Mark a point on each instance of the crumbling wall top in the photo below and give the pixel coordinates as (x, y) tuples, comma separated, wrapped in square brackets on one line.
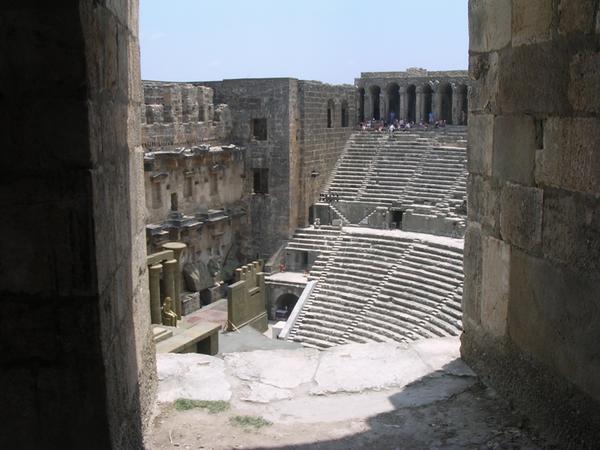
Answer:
[(416, 72)]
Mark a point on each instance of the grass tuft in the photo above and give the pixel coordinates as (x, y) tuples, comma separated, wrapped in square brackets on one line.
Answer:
[(213, 407), (250, 421)]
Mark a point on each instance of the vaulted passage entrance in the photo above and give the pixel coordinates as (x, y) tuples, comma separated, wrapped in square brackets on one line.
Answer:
[(393, 101), (445, 97), (285, 304), (375, 92), (361, 105)]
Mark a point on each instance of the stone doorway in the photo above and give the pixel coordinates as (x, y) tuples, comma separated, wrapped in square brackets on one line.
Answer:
[(397, 219), (375, 102), (285, 305)]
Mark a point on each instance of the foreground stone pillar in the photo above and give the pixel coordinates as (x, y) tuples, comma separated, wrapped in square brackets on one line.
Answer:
[(83, 378), (531, 255), (155, 311), (170, 268), (178, 248)]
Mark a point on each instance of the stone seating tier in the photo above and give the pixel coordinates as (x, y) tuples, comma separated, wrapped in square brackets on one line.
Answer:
[(411, 305), (406, 169), (377, 288)]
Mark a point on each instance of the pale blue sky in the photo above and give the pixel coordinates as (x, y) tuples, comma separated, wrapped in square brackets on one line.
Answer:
[(326, 40)]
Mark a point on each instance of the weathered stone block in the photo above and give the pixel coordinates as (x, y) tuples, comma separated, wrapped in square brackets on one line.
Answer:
[(472, 267), (495, 285), (483, 93), (521, 216), (584, 94), (571, 159), (571, 232), (480, 144), (483, 203), (528, 74), (24, 401), (514, 148), (531, 21), (489, 24), (576, 16), (553, 314)]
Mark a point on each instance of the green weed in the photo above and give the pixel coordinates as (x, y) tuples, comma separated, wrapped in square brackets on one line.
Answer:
[(213, 407)]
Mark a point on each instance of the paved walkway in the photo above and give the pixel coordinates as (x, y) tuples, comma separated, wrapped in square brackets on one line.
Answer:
[(248, 339), (215, 312), (378, 396)]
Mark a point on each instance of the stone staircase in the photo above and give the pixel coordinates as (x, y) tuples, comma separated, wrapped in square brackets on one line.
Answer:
[(313, 239), (339, 214), (380, 286), (406, 170)]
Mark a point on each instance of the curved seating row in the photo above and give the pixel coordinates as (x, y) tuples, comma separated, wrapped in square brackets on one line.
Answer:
[(380, 287), (407, 170)]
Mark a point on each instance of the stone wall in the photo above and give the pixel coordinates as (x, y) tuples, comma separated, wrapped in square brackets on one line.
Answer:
[(269, 99), (413, 73), (282, 124), (182, 114), (77, 355), (532, 253), (320, 145), (195, 187), (299, 152)]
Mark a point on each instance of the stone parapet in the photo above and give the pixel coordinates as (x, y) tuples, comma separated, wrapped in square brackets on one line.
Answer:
[(417, 73), (246, 298)]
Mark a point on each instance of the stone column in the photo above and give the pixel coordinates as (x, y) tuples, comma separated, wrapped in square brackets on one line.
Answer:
[(420, 104), (177, 248), (170, 267), (436, 103), (154, 274), (403, 113), (384, 105), (368, 105), (457, 104)]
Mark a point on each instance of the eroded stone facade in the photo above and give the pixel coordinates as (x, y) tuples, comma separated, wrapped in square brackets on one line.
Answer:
[(231, 203), (293, 133), (195, 189), (179, 114)]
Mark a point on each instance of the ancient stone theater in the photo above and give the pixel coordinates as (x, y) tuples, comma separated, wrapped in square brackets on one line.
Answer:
[(334, 260)]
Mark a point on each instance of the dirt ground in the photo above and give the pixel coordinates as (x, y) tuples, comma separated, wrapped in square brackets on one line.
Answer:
[(473, 419), (360, 396)]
